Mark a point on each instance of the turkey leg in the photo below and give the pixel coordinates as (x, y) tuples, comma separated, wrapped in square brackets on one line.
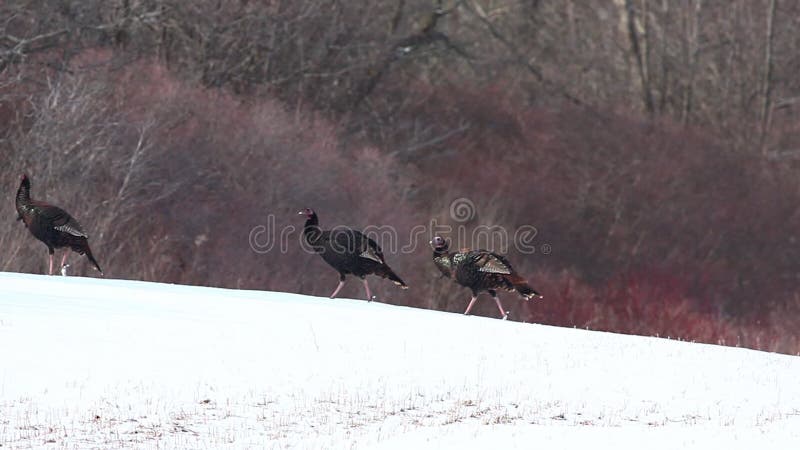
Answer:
[(339, 287), (503, 312), (64, 263), (366, 287), (471, 302)]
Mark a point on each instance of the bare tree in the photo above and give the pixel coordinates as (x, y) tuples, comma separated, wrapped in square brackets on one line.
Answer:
[(766, 78)]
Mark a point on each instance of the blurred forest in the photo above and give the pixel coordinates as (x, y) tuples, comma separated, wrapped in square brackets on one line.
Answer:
[(654, 145)]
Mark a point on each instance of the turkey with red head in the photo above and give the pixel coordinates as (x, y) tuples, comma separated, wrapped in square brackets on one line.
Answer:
[(480, 270), (52, 225), (348, 251)]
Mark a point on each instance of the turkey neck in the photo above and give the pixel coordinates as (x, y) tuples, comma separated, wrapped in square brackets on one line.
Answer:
[(443, 258), (24, 197), (311, 230)]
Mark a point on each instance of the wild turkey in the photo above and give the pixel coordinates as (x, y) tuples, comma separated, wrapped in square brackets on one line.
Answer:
[(52, 225), (480, 270), (348, 251)]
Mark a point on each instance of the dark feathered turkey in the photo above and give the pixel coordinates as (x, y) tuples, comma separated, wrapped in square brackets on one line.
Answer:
[(348, 251), (52, 225), (480, 270)]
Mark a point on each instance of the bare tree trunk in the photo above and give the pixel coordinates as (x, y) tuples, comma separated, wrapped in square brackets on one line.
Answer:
[(766, 79), (638, 54), (692, 50), (663, 86), (398, 16), (573, 35), (646, 44)]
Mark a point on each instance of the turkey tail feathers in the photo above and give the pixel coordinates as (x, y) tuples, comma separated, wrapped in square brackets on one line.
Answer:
[(522, 286), (91, 259), (388, 273)]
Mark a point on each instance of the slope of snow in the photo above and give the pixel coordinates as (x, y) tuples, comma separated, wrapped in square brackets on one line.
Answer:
[(90, 363)]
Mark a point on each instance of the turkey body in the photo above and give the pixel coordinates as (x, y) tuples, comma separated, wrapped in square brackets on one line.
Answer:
[(480, 271), (52, 226), (349, 252)]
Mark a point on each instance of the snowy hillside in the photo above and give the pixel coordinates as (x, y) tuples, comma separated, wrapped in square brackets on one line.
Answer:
[(91, 363)]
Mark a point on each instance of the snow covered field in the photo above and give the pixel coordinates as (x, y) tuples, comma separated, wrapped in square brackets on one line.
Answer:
[(91, 363)]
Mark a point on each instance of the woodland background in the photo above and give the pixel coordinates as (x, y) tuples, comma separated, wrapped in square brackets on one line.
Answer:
[(654, 144)]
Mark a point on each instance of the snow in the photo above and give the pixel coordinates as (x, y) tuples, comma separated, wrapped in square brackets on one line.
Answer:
[(93, 363)]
